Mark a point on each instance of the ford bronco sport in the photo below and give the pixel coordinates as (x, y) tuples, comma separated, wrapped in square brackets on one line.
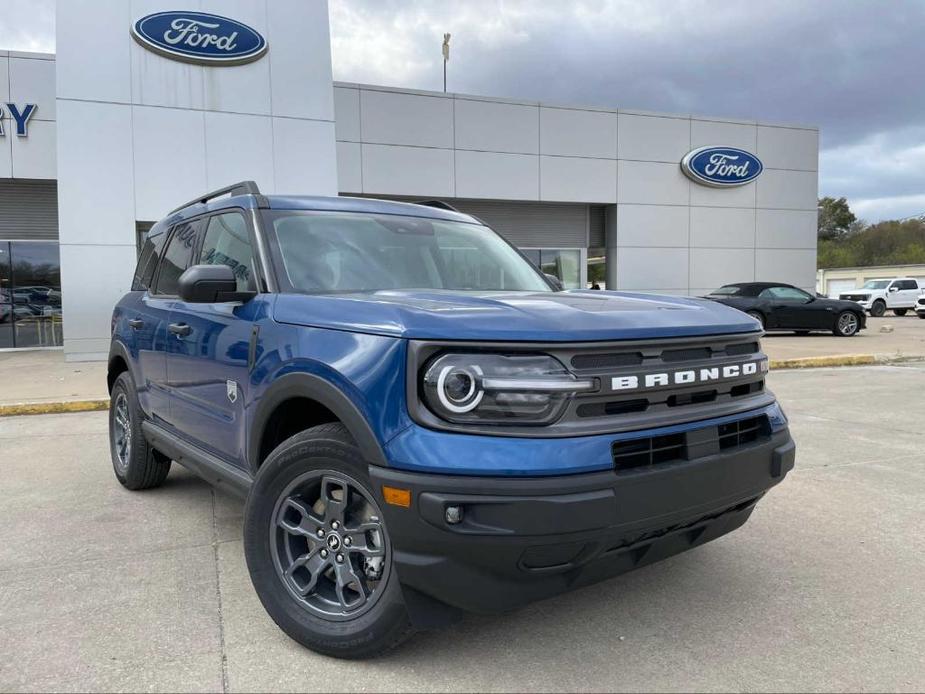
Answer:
[(421, 421)]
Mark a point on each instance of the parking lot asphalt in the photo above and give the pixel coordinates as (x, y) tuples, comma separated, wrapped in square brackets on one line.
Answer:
[(105, 589)]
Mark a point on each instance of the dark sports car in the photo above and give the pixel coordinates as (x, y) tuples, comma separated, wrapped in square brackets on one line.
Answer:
[(785, 307)]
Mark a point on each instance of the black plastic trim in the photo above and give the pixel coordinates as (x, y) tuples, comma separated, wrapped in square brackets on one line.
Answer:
[(303, 385), (212, 469)]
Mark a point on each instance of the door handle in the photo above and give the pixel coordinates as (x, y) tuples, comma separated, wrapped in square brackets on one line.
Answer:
[(136, 324), (180, 329)]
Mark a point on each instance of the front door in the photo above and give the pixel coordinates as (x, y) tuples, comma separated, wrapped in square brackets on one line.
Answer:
[(207, 360), (790, 308)]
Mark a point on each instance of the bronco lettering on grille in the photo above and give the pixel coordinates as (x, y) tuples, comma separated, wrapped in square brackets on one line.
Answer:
[(688, 376)]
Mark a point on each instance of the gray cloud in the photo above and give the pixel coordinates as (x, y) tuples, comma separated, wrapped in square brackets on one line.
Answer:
[(852, 67)]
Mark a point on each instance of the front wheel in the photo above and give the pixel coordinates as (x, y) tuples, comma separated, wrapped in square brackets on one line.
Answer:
[(878, 308), (899, 311), (847, 324), (318, 551)]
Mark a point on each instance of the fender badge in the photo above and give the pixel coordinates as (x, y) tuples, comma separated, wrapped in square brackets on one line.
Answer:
[(231, 388)]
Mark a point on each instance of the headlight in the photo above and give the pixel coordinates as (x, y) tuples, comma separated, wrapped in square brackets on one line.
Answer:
[(498, 389)]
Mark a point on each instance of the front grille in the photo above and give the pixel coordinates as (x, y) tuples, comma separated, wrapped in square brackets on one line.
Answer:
[(922, 302), (636, 406), (647, 452), (853, 297)]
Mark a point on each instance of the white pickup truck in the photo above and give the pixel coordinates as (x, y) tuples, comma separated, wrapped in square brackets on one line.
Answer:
[(876, 296)]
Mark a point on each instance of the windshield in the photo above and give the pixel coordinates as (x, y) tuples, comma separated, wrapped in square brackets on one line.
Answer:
[(322, 252), (728, 290), (875, 284)]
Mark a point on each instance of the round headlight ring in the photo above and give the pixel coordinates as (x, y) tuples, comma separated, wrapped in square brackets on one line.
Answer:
[(473, 396)]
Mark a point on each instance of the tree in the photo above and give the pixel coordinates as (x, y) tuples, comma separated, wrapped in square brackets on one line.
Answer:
[(835, 218)]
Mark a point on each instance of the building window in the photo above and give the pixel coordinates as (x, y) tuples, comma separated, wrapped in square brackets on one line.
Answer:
[(562, 263), (30, 294)]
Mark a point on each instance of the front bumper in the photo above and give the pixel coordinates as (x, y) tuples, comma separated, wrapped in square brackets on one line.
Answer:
[(524, 539)]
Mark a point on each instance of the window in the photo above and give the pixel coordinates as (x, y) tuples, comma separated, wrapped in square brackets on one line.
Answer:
[(907, 284), (349, 252), (147, 262), (564, 264), (875, 284), (176, 257), (728, 290), (784, 294), (227, 242), (30, 294)]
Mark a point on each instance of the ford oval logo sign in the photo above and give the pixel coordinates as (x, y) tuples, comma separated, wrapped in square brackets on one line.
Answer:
[(198, 37), (721, 166)]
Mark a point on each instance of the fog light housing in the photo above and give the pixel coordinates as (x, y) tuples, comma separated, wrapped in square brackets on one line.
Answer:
[(454, 515)]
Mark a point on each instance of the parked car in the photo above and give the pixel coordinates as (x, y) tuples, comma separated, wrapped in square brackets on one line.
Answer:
[(421, 422), (876, 296), (780, 306)]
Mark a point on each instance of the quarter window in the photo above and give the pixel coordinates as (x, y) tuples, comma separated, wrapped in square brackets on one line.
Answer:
[(227, 242), (150, 254)]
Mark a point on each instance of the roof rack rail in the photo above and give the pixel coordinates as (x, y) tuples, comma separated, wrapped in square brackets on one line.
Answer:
[(439, 204), (240, 188)]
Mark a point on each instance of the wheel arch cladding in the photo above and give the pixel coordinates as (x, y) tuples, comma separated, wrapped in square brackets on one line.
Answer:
[(118, 363), (305, 386)]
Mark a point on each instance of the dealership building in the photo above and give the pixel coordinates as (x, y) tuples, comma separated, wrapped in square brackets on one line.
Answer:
[(107, 136)]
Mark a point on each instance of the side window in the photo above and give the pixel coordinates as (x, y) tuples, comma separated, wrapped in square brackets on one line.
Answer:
[(909, 284), (227, 242), (147, 262), (784, 294), (176, 257)]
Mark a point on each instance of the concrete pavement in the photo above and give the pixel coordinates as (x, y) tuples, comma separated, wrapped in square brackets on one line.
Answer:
[(105, 589)]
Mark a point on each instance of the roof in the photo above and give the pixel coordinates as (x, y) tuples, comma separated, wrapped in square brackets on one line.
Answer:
[(321, 204), (759, 284)]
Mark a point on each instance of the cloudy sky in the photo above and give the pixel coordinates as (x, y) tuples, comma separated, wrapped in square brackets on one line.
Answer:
[(852, 67)]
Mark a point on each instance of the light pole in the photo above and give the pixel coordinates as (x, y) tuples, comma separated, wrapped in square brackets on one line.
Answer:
[(446, 57)]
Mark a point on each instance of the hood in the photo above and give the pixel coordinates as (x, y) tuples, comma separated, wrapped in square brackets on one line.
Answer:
[(514, 316)]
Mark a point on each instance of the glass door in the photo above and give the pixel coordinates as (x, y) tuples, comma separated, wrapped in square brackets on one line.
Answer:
[(30, 295)]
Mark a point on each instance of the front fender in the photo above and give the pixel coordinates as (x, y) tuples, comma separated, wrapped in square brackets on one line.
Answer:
[(322, 391)]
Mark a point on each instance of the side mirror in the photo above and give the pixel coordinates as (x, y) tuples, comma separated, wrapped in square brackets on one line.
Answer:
[(555, 282), (893, 288), (210, 284)]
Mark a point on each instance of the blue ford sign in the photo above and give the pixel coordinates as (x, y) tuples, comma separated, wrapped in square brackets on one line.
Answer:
[(721, 166), (198, 37)]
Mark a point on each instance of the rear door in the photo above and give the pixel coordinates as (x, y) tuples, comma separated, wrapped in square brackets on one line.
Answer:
[(160, 303), (907, 294), (207, 362), (146, 338)]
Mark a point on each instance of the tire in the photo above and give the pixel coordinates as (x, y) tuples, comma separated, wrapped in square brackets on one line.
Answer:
[(758, 316), (921, 315), (899, 311), (847, 324), (878, 308), (294, 497), (136, 464)]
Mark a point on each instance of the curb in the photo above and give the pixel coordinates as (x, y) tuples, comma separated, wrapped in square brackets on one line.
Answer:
[(53, 407), (835, 360)]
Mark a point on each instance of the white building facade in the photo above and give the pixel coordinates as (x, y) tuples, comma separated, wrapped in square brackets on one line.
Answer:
[(120, 134)]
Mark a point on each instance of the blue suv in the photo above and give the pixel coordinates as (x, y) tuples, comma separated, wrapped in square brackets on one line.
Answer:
[(422, 422)]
